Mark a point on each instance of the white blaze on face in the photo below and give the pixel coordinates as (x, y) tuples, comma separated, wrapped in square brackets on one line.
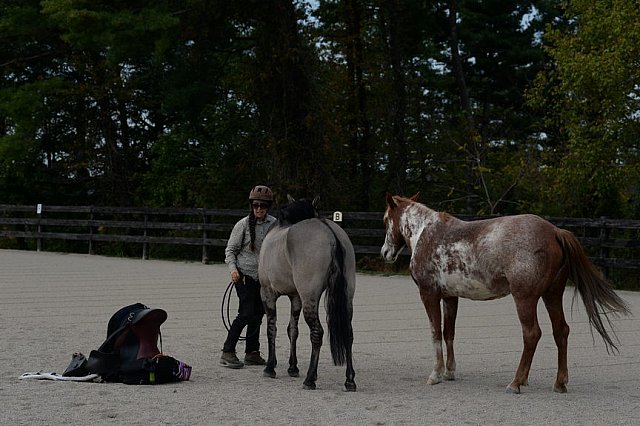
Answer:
[(388, 251)]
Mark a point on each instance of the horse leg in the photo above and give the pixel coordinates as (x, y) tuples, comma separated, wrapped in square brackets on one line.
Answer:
[(317, 332), (431, 304), (450, 310), (269, 299), (531, 333), (350, 384), (553, 302), (292, 332)]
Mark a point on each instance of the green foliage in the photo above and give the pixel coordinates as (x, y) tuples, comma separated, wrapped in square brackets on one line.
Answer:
[(593, 100), (126, 31), (192, 102)]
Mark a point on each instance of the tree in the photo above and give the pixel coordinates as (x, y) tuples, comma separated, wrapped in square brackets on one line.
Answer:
[(493, 56), (192, 102), (292, 148), (85, 75), (593, 98)]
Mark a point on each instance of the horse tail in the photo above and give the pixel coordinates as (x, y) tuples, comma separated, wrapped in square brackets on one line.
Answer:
[(337, 307), (598, 296)]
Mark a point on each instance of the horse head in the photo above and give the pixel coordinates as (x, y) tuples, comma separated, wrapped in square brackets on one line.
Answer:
[(394, 240), (297, 211)]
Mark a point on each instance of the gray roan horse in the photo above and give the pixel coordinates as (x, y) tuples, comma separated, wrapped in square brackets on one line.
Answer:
[(302, 257), (522, 255)]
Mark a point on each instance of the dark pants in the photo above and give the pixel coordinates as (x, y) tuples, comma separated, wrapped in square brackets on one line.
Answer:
[(250, 313)]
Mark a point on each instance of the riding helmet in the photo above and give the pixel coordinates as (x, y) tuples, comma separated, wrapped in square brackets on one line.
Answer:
[(261, 193)]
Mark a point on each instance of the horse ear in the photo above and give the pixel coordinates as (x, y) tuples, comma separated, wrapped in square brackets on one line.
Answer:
[(316, 202), (390, 201), (290, 198), (415, 196)]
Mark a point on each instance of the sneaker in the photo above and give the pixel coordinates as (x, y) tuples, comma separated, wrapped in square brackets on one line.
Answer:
[(254, 358), (230, 360)]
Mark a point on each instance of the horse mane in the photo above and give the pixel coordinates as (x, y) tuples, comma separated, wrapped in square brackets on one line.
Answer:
[(296, 211), (442, 215)]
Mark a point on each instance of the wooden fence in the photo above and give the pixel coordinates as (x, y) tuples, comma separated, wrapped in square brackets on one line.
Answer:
[(611, 243)]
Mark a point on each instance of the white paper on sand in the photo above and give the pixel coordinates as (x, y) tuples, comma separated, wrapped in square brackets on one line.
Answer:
[(50, 375)]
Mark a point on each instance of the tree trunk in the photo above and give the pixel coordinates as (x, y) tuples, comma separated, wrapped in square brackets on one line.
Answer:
[(359, 126), (398, 151), (471, 139)]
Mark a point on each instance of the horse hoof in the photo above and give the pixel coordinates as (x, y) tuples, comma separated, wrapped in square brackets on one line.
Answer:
[(449, 375), (269, 373), (434, 379), (560, 388), (293, 372), (309, 386), (349, 387), (512, 390)]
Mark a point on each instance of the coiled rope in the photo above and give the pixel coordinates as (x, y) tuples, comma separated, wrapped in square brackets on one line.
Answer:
[(226, 307)]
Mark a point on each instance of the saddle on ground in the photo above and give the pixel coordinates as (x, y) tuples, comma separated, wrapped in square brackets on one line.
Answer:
[(130, 353)]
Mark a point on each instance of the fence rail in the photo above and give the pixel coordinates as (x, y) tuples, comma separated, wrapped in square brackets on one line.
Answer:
[(611, 243)]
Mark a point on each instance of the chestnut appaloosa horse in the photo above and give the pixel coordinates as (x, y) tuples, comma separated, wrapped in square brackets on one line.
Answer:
[(522, 255)]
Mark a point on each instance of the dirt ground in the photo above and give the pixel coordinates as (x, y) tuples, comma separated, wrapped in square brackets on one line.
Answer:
[(55, 304)]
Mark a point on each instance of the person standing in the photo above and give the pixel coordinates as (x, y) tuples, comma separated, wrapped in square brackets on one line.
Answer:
[(241, 256)]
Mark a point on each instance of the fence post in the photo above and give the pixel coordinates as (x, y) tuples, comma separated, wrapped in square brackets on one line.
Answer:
[(91, 249), (39, 240), (604, 251), (145, 244), (205, 249)]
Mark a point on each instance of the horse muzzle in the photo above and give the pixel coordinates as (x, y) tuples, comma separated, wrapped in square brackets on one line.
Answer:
[(389, 254)]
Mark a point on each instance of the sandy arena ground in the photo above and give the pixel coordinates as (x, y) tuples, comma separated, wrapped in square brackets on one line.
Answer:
[(55, 304)]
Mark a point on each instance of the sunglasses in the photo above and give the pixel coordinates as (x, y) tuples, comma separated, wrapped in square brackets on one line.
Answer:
[(260, 205)]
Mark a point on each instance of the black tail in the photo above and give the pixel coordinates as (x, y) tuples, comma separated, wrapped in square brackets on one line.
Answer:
[(338, 312)]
